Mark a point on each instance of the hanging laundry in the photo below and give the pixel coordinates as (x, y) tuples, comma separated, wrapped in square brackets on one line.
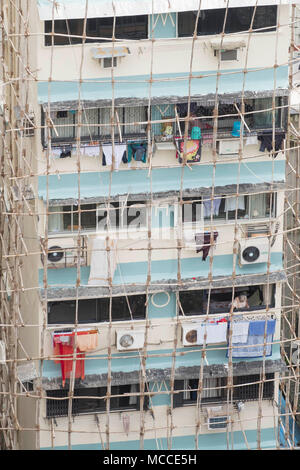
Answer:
[(216, 333), (91, 150), (66, 152), (103, 261), (256, 345), (204, 241), (64, 348), (266, 139), (137, 151), (119, 150), (191, 149), (86, 340), (240, 330), (251, 140), (233, 203), (211, 207)]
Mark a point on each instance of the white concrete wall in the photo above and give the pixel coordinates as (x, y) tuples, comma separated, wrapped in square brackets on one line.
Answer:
[(184, 424), (169, 56)]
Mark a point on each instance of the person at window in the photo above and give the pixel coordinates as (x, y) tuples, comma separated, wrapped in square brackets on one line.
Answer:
[(239, 302)]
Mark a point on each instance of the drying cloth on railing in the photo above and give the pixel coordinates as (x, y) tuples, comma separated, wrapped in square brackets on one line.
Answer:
[(216, 332), (266, 139), (240, 331), (103, 261), (91, 150), (86, 340), (191, 149), (64, 348), (256, 347), (204, 241), (258, 327), (119, 151), (211, 207), (137, 151)]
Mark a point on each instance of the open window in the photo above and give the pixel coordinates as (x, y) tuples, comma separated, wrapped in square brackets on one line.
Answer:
[(93, 400), (66, 218), (214, 389), (199, 302), (123, 308), (123, 214)]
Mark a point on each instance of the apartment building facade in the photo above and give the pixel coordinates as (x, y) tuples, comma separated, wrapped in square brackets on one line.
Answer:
[(161, 182)]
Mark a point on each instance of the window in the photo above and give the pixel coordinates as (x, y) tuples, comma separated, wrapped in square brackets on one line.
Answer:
[(214, 389), (109, 62), (96, 122), (252, 391), (198, 302), (66, 218), (238, 19), (97, 310), (127, 27), (256, 206), (92, 400), (192, 210), (120, 215)]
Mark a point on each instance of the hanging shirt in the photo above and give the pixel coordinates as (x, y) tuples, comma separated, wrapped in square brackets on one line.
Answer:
[(203, 242)]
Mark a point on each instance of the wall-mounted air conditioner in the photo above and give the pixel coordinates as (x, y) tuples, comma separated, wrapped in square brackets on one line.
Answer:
[(218, 417), (228, 147), (217, 422), (128, 340), (227, 49), (189, 334), (253, 250), (109, 56), (63, 252)]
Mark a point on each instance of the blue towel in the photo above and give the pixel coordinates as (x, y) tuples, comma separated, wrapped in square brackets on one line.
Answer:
[(254, 348), (258, 327)]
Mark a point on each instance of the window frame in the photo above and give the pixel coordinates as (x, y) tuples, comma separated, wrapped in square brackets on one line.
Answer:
[(231, 17), (242, 393), (62, 405), (102, 304)]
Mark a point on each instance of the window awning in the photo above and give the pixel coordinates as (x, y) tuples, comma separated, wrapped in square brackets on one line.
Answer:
[(104, 52), (105, 8), (165, 88), (227, 44)]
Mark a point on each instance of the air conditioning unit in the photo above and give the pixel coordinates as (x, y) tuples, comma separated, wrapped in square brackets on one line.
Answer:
[(217, 417), (228, 147), (189, 334), (128, 340), (2, 352), (252, 251), (63, 252), (217, 422)]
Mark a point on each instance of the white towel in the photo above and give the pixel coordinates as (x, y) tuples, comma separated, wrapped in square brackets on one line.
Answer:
[(91, 150), (216, 333), (251, 140), (240, 332), (119, 150), (103, 262)]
